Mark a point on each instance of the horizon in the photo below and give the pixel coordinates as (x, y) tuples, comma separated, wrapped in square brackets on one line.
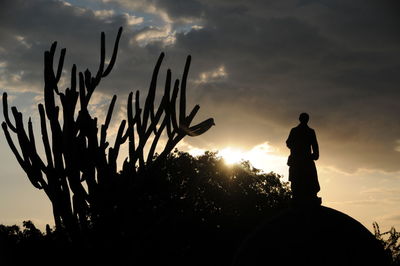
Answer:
[(254, 69)]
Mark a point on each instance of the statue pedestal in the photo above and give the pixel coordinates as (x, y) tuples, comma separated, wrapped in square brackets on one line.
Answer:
[(305, 203)]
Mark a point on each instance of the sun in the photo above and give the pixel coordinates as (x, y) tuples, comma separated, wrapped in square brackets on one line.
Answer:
[(232, 155), (262, 156), (235, 155)]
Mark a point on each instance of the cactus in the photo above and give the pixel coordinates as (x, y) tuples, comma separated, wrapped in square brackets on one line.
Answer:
[(76, 152)]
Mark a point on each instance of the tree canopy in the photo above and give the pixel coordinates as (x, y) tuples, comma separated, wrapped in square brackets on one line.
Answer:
[(188, 208)]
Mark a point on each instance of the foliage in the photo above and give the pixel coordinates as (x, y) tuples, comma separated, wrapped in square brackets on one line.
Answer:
[(199, 207), (390, 241), (214, 188), (194, 210), (15, 242)]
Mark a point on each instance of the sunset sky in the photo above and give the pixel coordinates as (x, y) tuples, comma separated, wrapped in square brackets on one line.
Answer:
[(256, 65)]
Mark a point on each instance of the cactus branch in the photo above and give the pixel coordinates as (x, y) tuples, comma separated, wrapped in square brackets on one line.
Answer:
[(114, 54), (5, 112)]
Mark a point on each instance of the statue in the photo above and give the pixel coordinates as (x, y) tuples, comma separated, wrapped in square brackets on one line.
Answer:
[(309, 234), (304, 150)]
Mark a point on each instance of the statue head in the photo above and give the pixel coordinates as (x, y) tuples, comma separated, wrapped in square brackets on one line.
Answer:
[(304, 117)]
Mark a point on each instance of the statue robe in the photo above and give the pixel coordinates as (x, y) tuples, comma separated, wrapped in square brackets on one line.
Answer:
[(303, 146)]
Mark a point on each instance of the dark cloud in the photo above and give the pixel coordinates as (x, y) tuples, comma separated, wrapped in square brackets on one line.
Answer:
[(256, 65), (181, 8), (340, 64)]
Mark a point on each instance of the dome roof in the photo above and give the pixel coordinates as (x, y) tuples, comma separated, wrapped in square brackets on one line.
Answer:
[(311, 236)]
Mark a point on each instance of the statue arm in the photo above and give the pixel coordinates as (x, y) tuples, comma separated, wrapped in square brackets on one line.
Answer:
[(315, 147)]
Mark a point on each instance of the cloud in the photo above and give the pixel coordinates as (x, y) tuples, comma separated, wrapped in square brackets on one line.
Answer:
[(154, 34), (256, 65), (213, 75), (132, 20), (177, 11), (104, 13)]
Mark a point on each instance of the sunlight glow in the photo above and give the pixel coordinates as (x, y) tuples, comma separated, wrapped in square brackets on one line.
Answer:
[(263, 156), (231, 156)]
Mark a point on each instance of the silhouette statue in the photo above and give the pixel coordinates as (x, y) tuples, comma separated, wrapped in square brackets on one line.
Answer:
[(311, 235), (304, 150)]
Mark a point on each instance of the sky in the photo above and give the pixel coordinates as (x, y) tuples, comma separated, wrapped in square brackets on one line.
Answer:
[(256, 65)]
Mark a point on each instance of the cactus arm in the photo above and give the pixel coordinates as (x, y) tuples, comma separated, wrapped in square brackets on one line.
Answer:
[(200, 128), (130, 131), (12, 146), (60, 64), (140, 131), (173, 106), (155, 141), (170, 145), (182, 102), (36, 160), (31, 135), (73, 78), (138, 112), (37, 163), (114, 54), (90, 86), (82, 93), (104, 127), (167, 104), (110, 111), (192, 114), (21, 135), (88, 79), (153, 127), (129, 113), (45, 137), (102, 58), (92, 82), (5, 113), (49, 82), (156, 119), (113, 152), (133, 153), (51, 76), (152, 92), (33, 172)]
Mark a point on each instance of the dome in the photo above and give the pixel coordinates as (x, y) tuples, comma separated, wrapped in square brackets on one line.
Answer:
[(311, 236)]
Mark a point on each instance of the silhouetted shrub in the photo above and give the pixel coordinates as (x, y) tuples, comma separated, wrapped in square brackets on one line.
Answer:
[(390, 241)]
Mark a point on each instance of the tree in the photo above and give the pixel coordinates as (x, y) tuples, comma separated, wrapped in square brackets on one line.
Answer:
[(190, 210), (77, 150), (198, 207)]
